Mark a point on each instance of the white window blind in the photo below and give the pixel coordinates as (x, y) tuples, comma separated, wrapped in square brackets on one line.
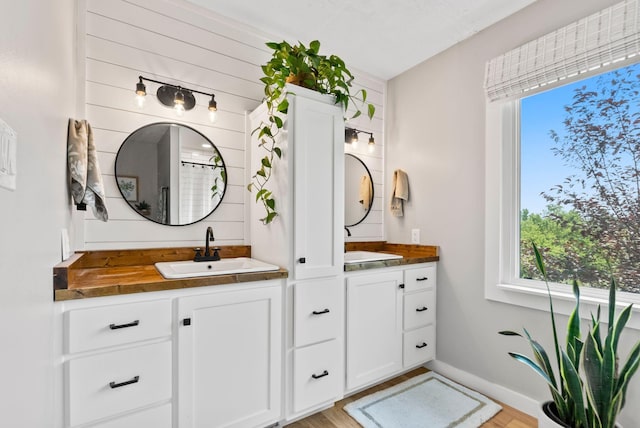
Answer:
[(596, 41)]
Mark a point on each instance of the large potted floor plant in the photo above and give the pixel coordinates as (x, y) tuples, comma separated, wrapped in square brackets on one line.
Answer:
[(303, 66), (590, 388)]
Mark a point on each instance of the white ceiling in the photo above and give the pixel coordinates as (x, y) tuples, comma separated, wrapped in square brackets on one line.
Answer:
[(381, 37)]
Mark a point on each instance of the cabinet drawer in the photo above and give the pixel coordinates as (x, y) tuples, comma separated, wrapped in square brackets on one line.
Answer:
[(106, 384), (103, 326), (317, 311), (317, 375), (419, 346), (420, 278), (419, 309), (157, 417)]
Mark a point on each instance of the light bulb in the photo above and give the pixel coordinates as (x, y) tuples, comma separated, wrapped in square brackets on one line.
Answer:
[(213, 114), (372, 148), (179, 108), (140, 100)]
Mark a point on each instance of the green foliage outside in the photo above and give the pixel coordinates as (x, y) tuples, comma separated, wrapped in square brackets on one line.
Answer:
[(591, 227)]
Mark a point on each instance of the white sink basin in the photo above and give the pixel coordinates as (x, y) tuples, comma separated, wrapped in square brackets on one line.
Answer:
[(189, 268), (367, 256)]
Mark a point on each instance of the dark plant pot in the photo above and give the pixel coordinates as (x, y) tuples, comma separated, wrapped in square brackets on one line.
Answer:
[(548, 418), (549, 410)]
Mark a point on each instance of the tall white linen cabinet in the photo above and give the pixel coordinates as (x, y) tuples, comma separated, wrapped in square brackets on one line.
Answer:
[(306, 238)]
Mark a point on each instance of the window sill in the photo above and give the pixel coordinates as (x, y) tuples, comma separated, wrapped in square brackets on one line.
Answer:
[(535, 297)]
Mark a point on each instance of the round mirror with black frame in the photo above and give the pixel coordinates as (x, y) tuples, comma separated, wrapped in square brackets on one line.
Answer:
[(170, 173), (358, 190)]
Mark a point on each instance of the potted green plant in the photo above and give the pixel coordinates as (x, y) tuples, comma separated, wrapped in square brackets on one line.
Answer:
[(306, 67), (590, 396), (143, 207)]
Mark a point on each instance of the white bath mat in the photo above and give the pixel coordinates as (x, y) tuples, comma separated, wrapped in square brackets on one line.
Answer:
[(425, 401)]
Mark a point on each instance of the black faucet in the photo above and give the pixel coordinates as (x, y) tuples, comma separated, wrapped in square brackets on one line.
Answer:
[(348, 231), (207, 257)]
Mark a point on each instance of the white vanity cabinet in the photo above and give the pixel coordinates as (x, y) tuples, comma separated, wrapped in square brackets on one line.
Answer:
[(307, 238), (229, 358), (390, 322), (118, 364), (374, 327), (202, 357), (419, 315)]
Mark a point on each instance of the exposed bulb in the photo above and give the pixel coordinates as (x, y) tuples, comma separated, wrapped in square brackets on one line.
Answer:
[(213, 114), (372, 147), (179, 108), (140, 100)]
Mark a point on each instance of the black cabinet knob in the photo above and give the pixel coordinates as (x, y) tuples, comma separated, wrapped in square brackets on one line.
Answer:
[(302, 260)]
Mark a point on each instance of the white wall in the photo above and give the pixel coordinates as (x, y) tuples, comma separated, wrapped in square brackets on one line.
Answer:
[(37, 83), (182, 44), (435, 128)]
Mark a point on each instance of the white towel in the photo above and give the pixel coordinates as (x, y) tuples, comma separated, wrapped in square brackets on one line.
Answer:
[(399, 193), (85, 178), (366, 191)]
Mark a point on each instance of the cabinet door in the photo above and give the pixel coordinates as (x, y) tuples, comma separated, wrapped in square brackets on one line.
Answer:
[(374, 327), (318, 140), (229, 358)]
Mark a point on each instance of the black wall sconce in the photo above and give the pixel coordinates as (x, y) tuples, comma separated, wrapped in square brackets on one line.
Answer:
[(179, 98), (351, 137)]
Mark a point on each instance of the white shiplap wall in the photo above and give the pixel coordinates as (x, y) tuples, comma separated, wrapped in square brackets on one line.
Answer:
[(179, 43)]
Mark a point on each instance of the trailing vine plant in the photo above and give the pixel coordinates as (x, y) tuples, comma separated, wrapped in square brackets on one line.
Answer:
[(304, 67)]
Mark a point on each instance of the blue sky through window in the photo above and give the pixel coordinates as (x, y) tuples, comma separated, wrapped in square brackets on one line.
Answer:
[(540, 168)]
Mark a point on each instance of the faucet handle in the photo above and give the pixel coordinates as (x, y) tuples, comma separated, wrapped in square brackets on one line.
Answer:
[(216, 255), (198, 251)]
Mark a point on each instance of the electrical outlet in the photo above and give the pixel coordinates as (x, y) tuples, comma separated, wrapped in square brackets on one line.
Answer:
[(415, 236)]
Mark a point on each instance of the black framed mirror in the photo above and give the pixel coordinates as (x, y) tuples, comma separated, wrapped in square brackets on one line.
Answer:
[(170, 173), (358, 190)]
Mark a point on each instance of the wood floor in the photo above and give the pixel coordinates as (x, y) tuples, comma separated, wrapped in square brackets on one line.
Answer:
[(335, 417)]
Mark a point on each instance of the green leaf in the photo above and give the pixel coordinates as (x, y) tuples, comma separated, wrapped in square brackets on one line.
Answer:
[(269, 218), (265, 162), (278, 152), (261, 173), (574, 388), (371, 111), (315, 46), (249, 186), (260, 193), (278, 121), (283, 106), (271, 203), (509, 333)]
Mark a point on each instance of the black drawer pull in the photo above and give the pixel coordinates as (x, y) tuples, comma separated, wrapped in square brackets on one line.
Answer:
[(422, 309), (318, 376), (424, 278), (114, 385), (117, 326), (421, 346), (325, 311), (302, 260), (401, 285)]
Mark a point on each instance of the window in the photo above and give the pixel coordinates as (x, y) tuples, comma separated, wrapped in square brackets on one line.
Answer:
[(582, 223), (580, 181)]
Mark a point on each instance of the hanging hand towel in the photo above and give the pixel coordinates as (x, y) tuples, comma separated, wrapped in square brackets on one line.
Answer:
[(400, 192), (84, 172), (366, 192)]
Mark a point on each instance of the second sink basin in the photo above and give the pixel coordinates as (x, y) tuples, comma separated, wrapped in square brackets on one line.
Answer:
[(368, 256), (188, 269)]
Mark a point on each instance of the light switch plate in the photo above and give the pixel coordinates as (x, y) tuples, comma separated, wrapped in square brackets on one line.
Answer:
[(8, 151), (415, 236)]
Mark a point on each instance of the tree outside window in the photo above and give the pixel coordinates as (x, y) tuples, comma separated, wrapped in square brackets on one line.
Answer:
[(580, 180)]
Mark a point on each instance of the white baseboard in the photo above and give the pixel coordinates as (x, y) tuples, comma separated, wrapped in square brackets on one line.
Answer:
[(514, 399)]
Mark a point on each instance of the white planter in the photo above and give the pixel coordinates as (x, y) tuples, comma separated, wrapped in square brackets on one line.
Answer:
[(544, 421)]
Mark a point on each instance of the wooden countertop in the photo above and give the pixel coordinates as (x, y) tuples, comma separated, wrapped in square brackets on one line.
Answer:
[(411, 254), (114, 272)]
